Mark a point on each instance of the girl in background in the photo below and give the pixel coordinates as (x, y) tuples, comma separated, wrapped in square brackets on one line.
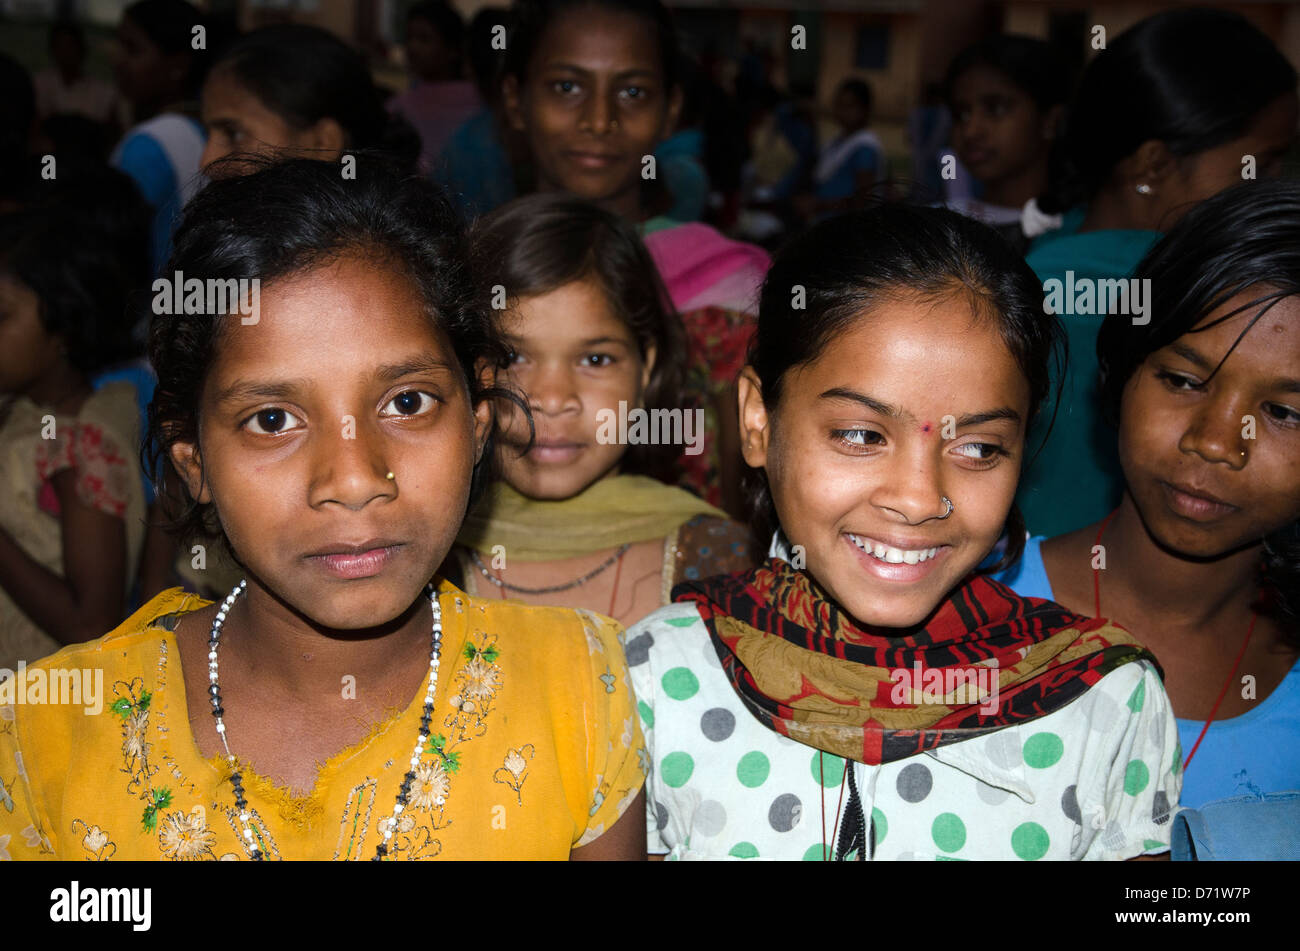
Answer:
[(293, 91), (72, 505), (159, 72), (865, 693), (582, 517), (1164, 117), (341, 702), (594, 87), (852, 163), (1007, 97), (1200, 555)]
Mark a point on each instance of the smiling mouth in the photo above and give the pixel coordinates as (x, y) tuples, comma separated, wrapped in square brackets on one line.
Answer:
[(891, 555)]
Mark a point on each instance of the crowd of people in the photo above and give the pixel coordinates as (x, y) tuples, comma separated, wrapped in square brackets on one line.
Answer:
[(581, 460)]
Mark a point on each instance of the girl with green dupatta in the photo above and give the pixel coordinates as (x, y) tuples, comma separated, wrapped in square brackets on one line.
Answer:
[(582, 516)]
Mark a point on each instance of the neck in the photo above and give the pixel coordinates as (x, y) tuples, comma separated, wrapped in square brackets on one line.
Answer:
[(63, 389), (1194, 592), (1015, 190), (307, 660), (1113, 208)]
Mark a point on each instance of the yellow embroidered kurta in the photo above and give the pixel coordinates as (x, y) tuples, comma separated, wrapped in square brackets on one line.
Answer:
[(539, 751)]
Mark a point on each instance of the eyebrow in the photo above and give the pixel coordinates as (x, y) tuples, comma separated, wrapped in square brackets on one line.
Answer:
[(1190, 355), (244, 390), (888, 409), (1287, 384)]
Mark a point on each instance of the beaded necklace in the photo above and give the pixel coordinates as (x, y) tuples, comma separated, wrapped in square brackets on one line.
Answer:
[(403, 796)]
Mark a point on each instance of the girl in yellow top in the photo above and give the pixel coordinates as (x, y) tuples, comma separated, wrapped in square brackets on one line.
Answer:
[(335, 704)]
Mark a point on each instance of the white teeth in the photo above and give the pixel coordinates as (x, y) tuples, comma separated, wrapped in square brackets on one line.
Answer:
[(893, 556)]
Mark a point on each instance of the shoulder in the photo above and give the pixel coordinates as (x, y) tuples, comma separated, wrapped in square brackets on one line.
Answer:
[(1027, 577), (664, 638), (707, 546), (549, 640)]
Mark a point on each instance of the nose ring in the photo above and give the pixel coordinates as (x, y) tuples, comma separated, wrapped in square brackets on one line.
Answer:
[(950, 508)]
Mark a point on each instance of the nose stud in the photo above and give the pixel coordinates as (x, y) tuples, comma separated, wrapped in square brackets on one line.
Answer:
[(390, 477)]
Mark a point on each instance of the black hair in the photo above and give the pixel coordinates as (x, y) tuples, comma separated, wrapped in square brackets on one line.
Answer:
[(1244, 239), (103, 200), (75, 274), (290, 217), (1030, 64), (446, 22), (541, 242), (529, 20), (169, 25), (304, 74), (17, 110), (852, 263), (1190, 78), (68, 28), (859, 89), (486, 63)]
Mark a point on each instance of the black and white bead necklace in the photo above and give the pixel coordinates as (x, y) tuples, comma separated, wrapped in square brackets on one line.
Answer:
[(403, 797)]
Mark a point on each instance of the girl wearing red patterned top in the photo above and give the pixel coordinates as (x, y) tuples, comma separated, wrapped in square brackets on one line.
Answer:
[(72, 500)]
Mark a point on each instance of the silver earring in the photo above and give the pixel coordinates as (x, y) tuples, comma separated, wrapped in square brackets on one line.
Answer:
[(950, 508), (1144, 189)]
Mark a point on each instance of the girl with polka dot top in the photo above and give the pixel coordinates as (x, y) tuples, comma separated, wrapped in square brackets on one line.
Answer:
[(868, 692)]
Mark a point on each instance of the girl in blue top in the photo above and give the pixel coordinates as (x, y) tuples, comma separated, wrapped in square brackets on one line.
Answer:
[(1163, 119), (1201, 561)]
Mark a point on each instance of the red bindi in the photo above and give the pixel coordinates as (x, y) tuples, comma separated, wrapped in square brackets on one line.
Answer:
[(925, 428)]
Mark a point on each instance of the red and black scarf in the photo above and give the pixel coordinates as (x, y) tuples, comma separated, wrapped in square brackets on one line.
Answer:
[(985, 659)]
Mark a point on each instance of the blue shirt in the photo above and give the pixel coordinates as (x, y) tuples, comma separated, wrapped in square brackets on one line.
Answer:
[(844, 182), (1256, 752)]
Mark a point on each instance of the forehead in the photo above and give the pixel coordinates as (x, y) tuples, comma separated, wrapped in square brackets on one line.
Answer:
[(599, 40), (579, 310), (333, 322), (981, 79), (929, 357), (1272, 344)]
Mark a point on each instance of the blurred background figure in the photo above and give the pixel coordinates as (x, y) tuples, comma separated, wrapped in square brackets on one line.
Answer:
[(477, 165), (851, 165), (64, 88), (1007, 97), (441, 96), (159, 72), (72, 512), (290, 91)]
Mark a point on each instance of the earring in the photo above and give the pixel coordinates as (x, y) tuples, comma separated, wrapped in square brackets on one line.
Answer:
[(1144, 189)]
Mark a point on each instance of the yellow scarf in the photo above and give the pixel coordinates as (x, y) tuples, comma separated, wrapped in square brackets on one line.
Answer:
[(616, 510)]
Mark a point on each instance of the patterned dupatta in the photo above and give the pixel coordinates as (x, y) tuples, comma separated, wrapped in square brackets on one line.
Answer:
[(984, 660)]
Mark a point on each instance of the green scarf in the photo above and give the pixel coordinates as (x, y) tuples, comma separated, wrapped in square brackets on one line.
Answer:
[(616, 510)]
